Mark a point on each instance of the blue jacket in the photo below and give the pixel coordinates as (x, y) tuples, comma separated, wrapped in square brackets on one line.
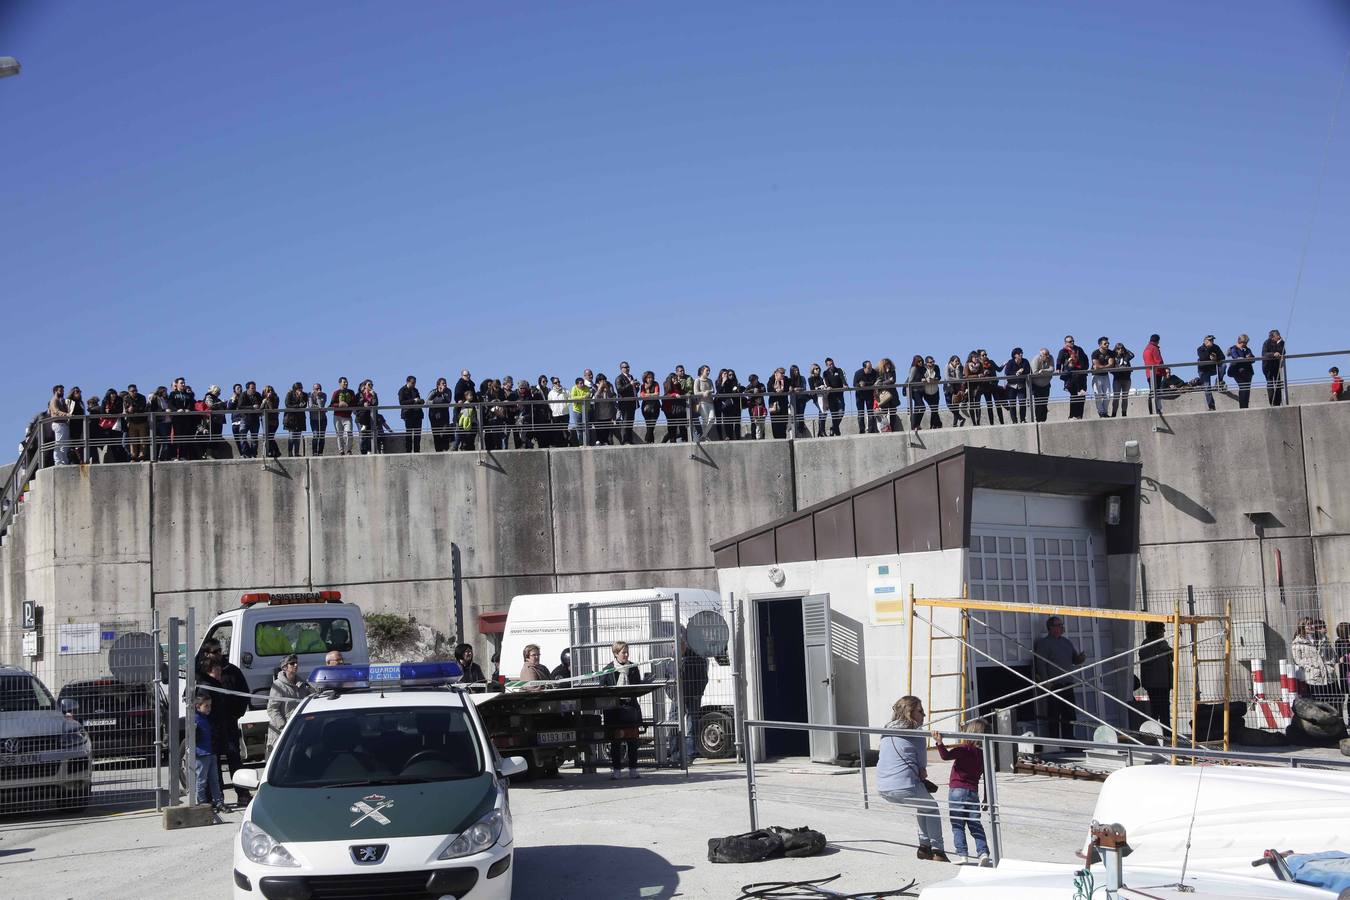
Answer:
[(1239, 365), (203, 735)]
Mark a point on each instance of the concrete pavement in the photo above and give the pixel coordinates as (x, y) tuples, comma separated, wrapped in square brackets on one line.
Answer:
[(583, 837)]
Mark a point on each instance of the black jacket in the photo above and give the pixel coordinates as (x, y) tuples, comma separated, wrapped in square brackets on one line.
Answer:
[(1210, 357), (440, 407), (409, 396), (296, 403), (1271, 367), (864, 380)]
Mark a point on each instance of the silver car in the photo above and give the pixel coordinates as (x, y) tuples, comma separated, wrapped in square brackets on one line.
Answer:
[(45, 755)]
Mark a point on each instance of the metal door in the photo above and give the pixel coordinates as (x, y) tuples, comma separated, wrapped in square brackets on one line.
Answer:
[(1056, 566), (819, 674)]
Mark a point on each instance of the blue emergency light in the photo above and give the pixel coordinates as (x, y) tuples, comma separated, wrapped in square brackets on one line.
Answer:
[(384, 675)]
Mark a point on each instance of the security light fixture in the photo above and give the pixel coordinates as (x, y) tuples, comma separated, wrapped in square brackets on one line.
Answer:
[(776, 576), (1132, 451)]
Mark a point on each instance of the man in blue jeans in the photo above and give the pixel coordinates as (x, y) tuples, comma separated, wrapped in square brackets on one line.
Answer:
[(1211, 367)]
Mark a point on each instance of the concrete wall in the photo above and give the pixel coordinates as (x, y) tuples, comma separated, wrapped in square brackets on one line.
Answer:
[(107, 542)]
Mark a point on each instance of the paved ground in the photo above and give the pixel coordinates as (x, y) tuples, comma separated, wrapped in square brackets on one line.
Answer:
[(580, 837)]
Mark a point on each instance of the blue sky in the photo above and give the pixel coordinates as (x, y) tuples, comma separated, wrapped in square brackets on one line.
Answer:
[(302, 190)]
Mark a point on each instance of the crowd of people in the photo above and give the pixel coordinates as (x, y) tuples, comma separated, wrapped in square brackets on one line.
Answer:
[(174, 423)]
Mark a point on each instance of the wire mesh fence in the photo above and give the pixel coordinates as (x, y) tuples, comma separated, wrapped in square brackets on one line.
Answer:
[(83, 713)]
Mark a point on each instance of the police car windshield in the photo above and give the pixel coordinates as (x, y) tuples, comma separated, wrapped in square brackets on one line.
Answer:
[(407, 745)]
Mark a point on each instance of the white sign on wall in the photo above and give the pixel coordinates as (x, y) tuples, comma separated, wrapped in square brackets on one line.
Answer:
[(30, 644), (886, 594), (73, 639)]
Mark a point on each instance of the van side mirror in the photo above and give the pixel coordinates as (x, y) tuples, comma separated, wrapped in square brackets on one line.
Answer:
[(246, 659), (512, 765), (69, 706)]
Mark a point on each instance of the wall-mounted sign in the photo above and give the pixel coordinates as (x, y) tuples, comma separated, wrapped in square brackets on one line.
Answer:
[(30, 644), (886, 594), (30, 614)]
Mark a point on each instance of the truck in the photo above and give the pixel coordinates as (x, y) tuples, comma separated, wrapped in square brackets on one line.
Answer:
[(265, 628), (644, 618)]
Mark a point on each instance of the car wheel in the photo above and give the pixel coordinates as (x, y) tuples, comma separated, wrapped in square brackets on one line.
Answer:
[(715, 735)]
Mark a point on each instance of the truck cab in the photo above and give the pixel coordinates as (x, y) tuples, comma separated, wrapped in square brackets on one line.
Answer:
[(267, 627)]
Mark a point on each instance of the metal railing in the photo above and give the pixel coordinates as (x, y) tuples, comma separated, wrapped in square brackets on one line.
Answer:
[(493, 424), (997, 814)]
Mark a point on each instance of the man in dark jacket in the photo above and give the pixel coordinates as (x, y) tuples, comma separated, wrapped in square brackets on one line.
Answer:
[(249, 401), (440, 404), (626, 387), (229, 709), (318, 419), (410, 403), (1211, 366), (863, 379), (563, 670), (1155, 673), (183, 404), (1072, 365), (463, 388), (835, 380)]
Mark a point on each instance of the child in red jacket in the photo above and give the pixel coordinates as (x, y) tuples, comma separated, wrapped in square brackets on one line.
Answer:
[(963, 791), (1337, 386)]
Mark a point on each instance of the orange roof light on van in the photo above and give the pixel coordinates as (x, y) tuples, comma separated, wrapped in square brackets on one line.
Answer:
[(298, 597)]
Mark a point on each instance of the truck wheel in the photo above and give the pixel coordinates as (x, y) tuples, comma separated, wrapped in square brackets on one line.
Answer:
[(715, 735)]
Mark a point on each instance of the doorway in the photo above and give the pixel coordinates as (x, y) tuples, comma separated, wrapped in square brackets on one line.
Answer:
[(782, 674)]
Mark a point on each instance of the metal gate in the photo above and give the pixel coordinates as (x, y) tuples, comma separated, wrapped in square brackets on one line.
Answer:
[(82, 717)]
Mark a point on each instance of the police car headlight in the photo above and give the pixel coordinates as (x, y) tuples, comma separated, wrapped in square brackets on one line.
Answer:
[(262, 849), (483, 834)]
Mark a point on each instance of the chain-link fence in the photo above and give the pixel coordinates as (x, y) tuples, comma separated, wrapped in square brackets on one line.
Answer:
[(83, 712), (1287, 642)]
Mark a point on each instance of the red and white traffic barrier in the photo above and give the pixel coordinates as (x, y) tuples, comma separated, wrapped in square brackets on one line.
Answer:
[(1258, 679)]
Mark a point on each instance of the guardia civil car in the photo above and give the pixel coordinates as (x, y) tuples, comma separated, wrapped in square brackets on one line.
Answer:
[(382, 784)]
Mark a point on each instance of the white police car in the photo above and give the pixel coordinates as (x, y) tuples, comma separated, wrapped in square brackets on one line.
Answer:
[(383, 784)]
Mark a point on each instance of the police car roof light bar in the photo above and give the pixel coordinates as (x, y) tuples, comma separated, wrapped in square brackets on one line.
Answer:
[(429, 674), (340, 678)]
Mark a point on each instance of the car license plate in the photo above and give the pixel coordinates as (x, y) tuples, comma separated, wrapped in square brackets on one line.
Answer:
[(557, 737), (99, 723), (20, 759)]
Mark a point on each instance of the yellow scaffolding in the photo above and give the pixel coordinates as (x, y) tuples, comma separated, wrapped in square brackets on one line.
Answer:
[(1175, 619)]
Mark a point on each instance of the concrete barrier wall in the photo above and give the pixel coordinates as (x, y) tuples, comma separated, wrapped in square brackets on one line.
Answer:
[(108, 541)]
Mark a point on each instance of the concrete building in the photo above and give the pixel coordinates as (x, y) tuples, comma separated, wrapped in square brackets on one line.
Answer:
[(824, 590)]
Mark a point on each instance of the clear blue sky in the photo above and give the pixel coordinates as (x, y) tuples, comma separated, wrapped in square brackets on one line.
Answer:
[(298, 190)]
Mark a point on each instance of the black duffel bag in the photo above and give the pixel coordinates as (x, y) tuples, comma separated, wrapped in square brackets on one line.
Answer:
[(766, 843)]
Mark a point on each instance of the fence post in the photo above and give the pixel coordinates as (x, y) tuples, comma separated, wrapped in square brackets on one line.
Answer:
[(991, 795), (175, 737), (159, 717), (680, 736), (862, 768), (154, 448), (750, 781), (189, 755)]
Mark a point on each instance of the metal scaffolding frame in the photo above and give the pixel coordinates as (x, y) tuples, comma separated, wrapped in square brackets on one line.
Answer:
[(1176, 620)]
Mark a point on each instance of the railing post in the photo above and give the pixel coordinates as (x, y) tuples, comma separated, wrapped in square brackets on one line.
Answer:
[(862, 768), (84, 438), (154, 448), (991, 794), (189, 754), (750, 785), (175, 735)]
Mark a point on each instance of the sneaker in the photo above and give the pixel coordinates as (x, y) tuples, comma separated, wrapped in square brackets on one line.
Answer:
[(985, 862), (633, 774)]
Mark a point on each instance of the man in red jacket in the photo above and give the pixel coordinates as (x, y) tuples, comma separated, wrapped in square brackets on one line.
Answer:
[(1153, 362)]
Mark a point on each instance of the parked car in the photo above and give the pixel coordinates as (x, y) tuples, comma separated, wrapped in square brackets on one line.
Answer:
[(118, 717), (45, 755)]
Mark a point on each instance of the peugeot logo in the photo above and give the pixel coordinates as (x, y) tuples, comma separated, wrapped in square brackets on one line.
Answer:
[(368, 854), (11, 746)]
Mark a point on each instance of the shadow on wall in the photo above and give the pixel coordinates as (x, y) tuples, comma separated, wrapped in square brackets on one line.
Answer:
[(1179, 500), (850, 673), (583, 871)]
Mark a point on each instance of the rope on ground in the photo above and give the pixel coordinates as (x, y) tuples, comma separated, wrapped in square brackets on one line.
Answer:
[(804, 890)]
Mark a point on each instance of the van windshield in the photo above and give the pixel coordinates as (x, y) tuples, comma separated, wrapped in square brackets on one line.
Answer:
[(282, 637), (408, 745), (23, 693)]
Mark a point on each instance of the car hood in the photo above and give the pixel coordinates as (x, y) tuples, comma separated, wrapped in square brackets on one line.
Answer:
[(35, 723), (337, 814)]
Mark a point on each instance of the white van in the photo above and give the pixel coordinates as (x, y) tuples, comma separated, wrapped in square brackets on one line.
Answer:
[(543, 619)]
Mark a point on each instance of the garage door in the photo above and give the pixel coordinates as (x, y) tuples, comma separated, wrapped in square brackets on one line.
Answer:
[(1057, 566)]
